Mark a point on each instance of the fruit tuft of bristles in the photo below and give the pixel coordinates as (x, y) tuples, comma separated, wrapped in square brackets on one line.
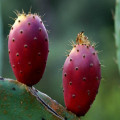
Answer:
[(28, 47), (81, 76)]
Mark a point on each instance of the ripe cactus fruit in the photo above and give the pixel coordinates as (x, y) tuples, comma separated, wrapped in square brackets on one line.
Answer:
[(81, 76), (28, 48)]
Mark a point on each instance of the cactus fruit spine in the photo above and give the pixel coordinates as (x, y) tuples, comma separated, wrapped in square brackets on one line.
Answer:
[(28, 48), (81, 76)]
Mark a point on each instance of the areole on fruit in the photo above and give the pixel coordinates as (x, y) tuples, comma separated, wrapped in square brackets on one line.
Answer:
[(81, 76)]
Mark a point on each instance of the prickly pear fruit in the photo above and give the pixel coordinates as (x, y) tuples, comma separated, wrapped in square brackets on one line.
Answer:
[(28, 48), (81, 76)]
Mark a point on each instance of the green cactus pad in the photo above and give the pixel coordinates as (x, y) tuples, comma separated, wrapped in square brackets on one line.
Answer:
[(117, 30), (18, 101)]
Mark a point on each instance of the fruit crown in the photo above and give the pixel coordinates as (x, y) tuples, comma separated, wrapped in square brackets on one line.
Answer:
[(82, 39)]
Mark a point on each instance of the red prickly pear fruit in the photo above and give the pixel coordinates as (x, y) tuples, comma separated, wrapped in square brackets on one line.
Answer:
[(28, 48), (81, 76)]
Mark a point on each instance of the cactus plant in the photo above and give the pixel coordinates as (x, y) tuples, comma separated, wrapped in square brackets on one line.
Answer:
[(117, 30), (81, 76), (1, 38), (18, 101)]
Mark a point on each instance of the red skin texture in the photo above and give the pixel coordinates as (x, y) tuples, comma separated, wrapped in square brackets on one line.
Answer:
[(79, 93), (30, 64)]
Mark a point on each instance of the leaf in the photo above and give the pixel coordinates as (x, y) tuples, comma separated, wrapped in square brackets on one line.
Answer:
[(18, 101)]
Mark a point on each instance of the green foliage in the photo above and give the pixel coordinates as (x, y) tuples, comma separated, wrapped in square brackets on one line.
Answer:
[(117, 30), (1, 38), (17, 101)]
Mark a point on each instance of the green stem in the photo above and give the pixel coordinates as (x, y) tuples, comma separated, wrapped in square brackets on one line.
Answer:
[(1, 38)]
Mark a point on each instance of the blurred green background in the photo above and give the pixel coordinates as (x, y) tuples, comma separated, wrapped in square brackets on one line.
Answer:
[(65, 19)]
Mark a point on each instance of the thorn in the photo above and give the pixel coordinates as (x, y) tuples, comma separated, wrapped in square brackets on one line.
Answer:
[(93, 53), (39, 54), (30, 9), (13, 39), (41, 21), (40, 29), (76, 68), (113, 14), (74, 46), (70, 83), (84, 56), (70, 59), (18, 13), (88, 92), (65, 74), (86, 37), (9, 25), (12, 18), (25, 46), (87, 46), (28, 23), (21, 71), (72, 43), (15, 12), (43, 15), (17, 54), (77, 50), (97, 78), (35, 38), (91, 64), (46, 39), (24, 14), (19, 21), (33, 17), (13, 66), (9, 51), (48, 31), (99, 64), (23, 11), (82, 32), (84, 78), (29, 63), (73, 95), (93, 46), (21, 31), (12, 28)]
